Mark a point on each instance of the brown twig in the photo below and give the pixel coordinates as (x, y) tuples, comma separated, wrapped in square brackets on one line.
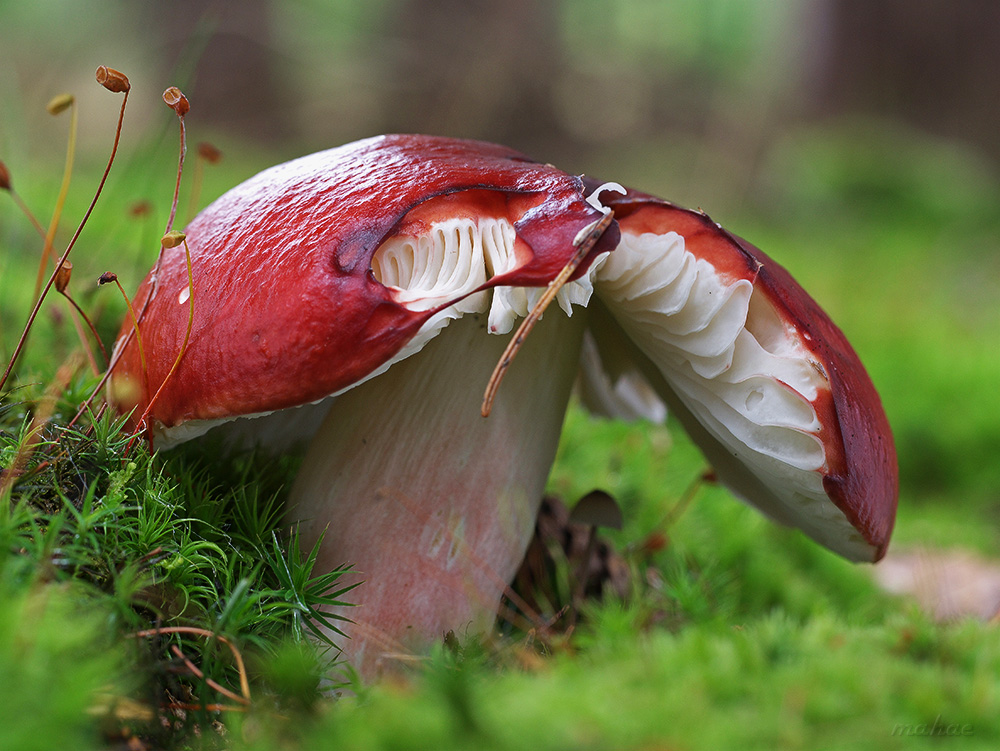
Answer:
[(200, 675), (584, 245)]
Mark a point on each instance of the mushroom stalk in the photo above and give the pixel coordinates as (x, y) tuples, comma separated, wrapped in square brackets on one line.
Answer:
[(432, 504)]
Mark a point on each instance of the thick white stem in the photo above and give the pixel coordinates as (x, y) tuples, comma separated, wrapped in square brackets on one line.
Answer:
[(431, 503)]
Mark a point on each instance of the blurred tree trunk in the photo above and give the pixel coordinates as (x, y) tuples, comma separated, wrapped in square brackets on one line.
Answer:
[(475, 68), (931, 62), (221, 54)]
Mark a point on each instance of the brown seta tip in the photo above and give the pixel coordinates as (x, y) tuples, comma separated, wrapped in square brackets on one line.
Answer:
[(175, 99), (59, 104), (140, 208), (172, 239), (5, 183), (62, 276), (209, 153), (112, 80), (107, 277)]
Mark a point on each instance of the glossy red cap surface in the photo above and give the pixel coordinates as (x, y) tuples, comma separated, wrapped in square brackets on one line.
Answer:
[(286, 309)]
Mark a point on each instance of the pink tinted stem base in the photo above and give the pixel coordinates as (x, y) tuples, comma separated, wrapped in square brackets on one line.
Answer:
[(431, 503)]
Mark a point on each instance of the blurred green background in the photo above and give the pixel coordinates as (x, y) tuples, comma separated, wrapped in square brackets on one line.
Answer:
[(710, 100)]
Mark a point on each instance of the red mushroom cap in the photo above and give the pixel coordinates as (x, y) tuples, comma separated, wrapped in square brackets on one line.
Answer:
[(287, 309), (290, 307)]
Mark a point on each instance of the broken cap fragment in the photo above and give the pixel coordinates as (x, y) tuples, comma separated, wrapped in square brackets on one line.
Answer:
[(758, 374)]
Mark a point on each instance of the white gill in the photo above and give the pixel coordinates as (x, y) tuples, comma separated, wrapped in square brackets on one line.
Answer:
[(745, 375), (722, 348), (455, 258)]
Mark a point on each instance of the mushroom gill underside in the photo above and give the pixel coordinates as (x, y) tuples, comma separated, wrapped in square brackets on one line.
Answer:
[(742, 382)]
